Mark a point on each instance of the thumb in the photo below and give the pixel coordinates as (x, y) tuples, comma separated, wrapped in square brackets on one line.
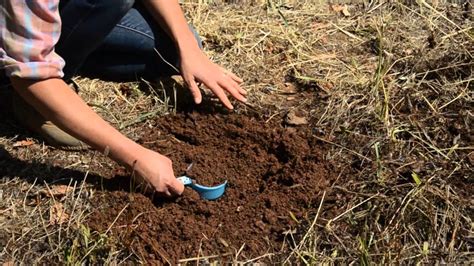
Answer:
[(195, 91), (177, 187)]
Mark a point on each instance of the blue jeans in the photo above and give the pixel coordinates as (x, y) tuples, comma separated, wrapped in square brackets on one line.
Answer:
[(114, 40)]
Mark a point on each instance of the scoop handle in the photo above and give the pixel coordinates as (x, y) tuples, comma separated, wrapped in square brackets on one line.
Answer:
[(185, 180)]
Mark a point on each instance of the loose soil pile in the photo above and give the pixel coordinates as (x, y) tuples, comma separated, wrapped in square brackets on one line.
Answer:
[(276, 178)]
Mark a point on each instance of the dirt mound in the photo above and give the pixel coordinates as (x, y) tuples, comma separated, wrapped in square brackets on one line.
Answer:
[(276, 177)]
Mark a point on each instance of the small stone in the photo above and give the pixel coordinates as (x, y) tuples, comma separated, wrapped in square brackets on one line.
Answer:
[(288, 88), (260, 225), (295, 119)]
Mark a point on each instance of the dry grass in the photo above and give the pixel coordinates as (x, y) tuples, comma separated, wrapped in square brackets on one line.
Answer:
[(388, 88)]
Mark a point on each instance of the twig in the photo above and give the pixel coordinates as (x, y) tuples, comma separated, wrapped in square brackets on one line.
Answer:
[(116, 218), (342, 147), (346, 32), (139, 119), (344, 213), (197, 259)]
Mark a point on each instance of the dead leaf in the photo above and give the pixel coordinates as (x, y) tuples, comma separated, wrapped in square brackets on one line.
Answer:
[(292, 118), (341, 9), (326, 86), (345, 12), (56, 191), (337, 7), (9, 263), (57, 214), (23, 143), (324, 39), (288, 88), (320, 25), (60, 190)]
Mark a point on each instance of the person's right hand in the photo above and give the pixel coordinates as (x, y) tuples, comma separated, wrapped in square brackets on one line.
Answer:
[(156, 172)]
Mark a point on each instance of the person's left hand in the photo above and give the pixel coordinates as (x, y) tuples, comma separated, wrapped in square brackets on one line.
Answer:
[(197, 67)]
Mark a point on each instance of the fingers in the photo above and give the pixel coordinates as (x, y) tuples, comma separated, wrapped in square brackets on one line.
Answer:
[(220, 81), (242, 91), (231, 84), (193, 87), (177, 187), (239, 89), (234, 89), (173, 189), (219, 92), (219, 89), (147, 188), (232, 75), (226, 82), (170, 186)]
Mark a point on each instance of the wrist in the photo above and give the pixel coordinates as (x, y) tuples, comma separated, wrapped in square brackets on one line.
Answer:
[(187, 44), (127, 153)]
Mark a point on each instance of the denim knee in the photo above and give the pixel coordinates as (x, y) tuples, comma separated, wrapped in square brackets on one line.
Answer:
[(196, 36), (121, 7), (125, 5)]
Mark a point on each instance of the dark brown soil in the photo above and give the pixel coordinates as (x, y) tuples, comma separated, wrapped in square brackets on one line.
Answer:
[(276, 178)]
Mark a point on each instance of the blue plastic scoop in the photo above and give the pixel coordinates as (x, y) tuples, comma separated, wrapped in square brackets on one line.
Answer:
[(208, 193)]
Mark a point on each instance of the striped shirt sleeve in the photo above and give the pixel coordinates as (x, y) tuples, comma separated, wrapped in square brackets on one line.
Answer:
[(29, 30)]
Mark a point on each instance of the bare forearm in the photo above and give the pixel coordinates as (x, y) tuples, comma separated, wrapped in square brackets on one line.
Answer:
[(170, 16), (58, 103)]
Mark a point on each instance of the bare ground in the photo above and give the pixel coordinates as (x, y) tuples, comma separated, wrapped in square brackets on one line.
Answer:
[(386, 86)]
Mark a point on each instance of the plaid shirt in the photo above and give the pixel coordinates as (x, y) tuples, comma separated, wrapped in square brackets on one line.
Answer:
[(29, 30)]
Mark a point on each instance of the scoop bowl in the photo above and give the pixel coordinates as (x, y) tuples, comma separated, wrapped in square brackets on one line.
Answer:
[(208, 193)]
